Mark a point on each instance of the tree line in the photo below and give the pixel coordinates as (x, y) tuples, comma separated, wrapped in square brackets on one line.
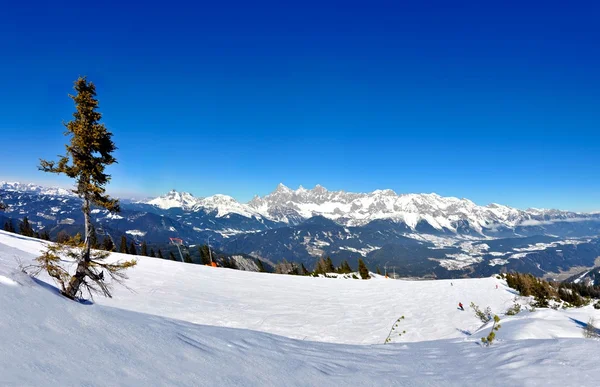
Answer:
[(323, 266)]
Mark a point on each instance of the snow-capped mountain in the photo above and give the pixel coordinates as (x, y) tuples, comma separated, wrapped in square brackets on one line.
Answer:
[(33, 188), (421, 234), (447, 214), (174, 199)]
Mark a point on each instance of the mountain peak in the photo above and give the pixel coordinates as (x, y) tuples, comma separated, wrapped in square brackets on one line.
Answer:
[(175, 199), (319, 189), (281, 188)]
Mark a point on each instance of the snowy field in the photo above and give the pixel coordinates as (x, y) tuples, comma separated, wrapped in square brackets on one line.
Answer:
[(192, 325)]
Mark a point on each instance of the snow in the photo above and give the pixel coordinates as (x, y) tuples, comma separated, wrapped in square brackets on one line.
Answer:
[(175, 199), (364, 251), (578, 280), (357, 209), (175, 328), (135, 233)]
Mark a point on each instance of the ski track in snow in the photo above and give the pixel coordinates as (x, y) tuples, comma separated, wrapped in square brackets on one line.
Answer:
[(310, 328)]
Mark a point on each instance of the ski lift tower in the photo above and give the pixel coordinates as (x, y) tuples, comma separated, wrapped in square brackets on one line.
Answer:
[(212, 263), (178, 242)]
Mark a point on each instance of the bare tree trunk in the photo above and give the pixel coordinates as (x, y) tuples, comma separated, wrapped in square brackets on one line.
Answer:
[(88, 230), (76, 281), (81, 271)]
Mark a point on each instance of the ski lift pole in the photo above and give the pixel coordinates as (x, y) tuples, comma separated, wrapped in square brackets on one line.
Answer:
[(178, 242), (209, 252)]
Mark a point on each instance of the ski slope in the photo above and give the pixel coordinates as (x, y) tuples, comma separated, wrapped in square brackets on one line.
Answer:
[(174, 327)]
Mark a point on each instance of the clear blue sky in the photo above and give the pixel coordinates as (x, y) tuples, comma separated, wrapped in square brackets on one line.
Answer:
[(496, 103)]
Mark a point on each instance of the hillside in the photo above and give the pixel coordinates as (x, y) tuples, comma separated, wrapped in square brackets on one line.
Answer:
[(290, 331), (422, 235)]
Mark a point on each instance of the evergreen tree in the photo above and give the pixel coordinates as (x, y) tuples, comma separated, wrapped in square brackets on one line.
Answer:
[(88, 154), (2, 206), (285, 267), (330, 267), (160, 255), (321, 266), (7, 226), (45, 235), (62, 237), (261, 267), (107, 244), (363, 270), (378, 270), (171, 256), (144, 251), (152, 253), (303, 270), (345, 268), (123, 246), (25, 228), (229, 263), (204, 255), (187, 258), (132, 250)]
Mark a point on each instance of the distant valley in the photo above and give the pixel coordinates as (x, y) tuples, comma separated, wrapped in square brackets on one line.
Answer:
[(418, 235)]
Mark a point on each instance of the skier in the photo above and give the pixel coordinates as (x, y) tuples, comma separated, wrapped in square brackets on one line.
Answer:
[(451, 284), (460, 305)]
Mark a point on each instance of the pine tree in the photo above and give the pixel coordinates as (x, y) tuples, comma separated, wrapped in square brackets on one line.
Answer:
[(132, 250), (229, 263), (171, 256), (363, 270), (7, 226), (321, 266), (144, 251), (187, 258), (330, 267), (378, 270), (25, 228), (152, 253), (345, 268), (204, 255), (88, 154), (45, 235), (107, 244), (123, 246), (2, 206), (487, 341), (261, 267), (303, 270), (160, 255), (62, 237)]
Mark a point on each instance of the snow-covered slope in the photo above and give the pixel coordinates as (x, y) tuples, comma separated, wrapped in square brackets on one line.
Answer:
[(150, 336)]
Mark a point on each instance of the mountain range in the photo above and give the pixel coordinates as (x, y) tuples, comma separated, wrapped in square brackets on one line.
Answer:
[(421, 234)]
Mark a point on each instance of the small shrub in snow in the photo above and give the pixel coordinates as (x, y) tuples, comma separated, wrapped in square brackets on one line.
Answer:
[(597, 305), (394, 331), (590, 331), (513, 310), (487, 341), (485, 315)]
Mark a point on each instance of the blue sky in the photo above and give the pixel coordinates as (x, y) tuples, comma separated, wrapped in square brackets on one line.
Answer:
[(496, 103)]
